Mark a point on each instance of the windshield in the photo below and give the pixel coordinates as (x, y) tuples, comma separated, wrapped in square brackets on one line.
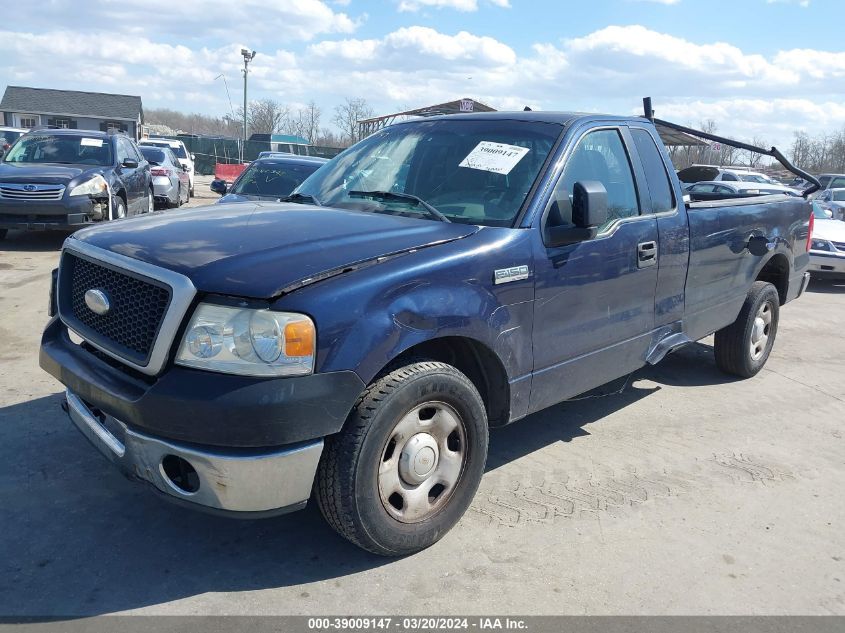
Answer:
[(153, 155), (275, 180), (838, 196), (177, 148), (837, 182), (819, 213), (63, 149), (471, 171), (752, 178)]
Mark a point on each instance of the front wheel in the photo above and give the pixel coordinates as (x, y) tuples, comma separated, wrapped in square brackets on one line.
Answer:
[(118, 208), (408, 462), (743, 347)]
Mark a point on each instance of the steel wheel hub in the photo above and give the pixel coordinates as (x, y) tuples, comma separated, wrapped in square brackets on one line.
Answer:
[(760, 331), (418, 458), (422, 462)]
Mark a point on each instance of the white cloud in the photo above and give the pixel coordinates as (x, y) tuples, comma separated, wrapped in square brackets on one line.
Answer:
[(458, 5), (801, 3), (607, 70), (254, 20), (667, 2)]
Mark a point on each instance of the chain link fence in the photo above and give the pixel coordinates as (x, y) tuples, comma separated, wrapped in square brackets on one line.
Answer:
[(208, 151)]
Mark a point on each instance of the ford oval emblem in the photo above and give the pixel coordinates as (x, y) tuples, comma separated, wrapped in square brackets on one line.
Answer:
[(97, 301), (29, 187)]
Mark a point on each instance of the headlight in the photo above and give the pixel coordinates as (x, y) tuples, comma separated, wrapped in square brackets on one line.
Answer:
[(821, 245), (97, 185), (252, 342)]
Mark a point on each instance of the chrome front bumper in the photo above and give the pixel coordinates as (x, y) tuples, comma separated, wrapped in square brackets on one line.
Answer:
[(240, 481), (831, 263)]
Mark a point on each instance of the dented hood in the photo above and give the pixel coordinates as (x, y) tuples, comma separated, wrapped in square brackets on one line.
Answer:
[(261, 250)]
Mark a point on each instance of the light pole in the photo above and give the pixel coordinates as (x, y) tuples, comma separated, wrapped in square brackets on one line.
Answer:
[(248, 57)]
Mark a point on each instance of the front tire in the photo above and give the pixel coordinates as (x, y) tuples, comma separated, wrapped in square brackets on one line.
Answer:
[(118, 208), (407, 464), (743, 347)]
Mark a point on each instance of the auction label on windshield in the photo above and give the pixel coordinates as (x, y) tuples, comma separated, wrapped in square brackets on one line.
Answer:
[(494, 157), (91, 142)]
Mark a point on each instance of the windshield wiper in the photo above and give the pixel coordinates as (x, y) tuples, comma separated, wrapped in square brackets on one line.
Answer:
[(301, 198), (404, 197)]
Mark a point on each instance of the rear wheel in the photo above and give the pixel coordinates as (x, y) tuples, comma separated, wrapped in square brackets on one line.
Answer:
[(178, 196), (744, 346), (408, 462), (3, 233)]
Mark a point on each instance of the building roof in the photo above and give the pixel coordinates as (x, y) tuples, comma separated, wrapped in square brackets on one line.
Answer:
[(72, 102)]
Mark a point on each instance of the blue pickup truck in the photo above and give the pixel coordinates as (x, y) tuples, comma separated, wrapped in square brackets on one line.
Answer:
[(356, 343)]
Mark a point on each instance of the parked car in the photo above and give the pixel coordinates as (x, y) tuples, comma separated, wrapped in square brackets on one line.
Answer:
[(827, 248), (268, 178), (832, 181), (834, 201), (67, 179), (711, 173), (359, 340), (738, 188), (171, 184), (8, 135), (181, 151)]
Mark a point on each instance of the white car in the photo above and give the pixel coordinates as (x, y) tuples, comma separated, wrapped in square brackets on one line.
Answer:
[(712, 173), (181, 152), (747, 188), (827, 249)]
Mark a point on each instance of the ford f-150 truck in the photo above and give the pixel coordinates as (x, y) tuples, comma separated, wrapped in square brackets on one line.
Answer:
[(355, 342)]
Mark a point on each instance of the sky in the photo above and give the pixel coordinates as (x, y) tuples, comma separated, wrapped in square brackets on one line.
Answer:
[(759, 68)]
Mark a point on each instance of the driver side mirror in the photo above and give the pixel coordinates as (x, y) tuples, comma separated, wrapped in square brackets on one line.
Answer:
[(130, 163), (218, 186), (588, 211)]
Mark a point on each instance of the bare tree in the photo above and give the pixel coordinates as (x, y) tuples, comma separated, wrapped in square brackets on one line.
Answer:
[(347, 115), (265, 116), (305, 122)]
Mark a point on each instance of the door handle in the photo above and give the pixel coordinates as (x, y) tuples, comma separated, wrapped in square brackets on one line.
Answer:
[(646, 254)]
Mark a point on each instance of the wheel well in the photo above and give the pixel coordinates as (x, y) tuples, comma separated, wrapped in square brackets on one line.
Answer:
[(477, 362), (776, 272)]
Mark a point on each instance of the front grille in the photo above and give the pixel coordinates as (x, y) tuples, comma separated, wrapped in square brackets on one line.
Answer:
[(14, 191), (137, 306)]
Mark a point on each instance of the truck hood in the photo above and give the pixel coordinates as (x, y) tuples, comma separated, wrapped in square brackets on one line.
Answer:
[(263, 250), (48, 173)]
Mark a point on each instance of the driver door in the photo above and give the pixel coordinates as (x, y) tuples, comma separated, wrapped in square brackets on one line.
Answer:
[(594, 300)]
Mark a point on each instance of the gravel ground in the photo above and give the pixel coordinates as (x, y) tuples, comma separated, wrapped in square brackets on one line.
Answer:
[(687, 492)]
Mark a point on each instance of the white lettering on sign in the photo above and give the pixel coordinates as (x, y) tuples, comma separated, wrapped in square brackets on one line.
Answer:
[(467, 105), (498, 158), (91, 142)]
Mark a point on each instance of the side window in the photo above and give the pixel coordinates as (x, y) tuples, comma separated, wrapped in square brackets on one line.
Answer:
[(729, 177), (122, 150), (723, 189), (662, 197), (601, 156), (134, 151), (704, 188)]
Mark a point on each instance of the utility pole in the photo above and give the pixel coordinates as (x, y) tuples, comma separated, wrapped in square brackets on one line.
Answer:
[(248, 57)]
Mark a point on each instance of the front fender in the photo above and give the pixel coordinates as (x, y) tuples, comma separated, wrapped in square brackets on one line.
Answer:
[(367, 318)]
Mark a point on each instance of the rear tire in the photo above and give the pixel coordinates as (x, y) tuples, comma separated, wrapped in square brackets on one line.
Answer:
[(425, 416), (178, 197), (743, 347), (3, 233)]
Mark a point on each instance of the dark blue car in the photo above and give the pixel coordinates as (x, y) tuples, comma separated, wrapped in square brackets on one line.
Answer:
[(268, 178), (443, 276), (67, 179)]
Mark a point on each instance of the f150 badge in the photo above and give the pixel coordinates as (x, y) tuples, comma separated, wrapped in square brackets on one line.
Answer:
[(505, 275)]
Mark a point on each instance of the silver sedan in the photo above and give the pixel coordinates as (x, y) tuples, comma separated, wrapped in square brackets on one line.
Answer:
[(171, 182)]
